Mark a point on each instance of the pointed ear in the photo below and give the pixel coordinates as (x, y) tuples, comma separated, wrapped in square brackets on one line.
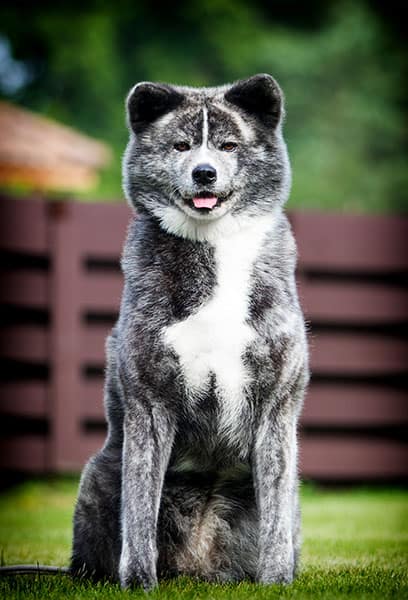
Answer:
[(260, 96), (147, 102)]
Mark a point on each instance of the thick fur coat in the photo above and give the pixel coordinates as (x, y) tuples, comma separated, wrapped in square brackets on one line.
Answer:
[(207, 364)]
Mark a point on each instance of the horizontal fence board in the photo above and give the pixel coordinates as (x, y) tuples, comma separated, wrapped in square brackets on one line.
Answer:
[(23, 225), (92, 399), (90, 444), (27, 343), (102, 228), (76, 455), (101, 291), (24, 453), (364, 354), (351, 243), (335, 457), (340, 404), (92, 346), (25, 399), (24, 287), (353, 302)]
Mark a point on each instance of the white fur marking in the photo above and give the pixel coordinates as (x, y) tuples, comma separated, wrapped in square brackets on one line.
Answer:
[(205, 127), (203, 153), (175, 221), (213, 339)]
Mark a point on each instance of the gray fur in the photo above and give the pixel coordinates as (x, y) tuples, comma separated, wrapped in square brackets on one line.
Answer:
[(207, 365)]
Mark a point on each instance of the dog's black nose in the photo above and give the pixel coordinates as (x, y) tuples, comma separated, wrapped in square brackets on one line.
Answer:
[(204, 174)]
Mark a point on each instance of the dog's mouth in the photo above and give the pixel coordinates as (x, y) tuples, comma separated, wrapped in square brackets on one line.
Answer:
[(206, 201)]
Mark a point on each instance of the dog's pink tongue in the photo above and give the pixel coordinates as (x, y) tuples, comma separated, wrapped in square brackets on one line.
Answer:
[(209, 202)]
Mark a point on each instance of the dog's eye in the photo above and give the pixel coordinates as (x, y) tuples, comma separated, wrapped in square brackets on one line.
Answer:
[(182, 146), (229, 146)]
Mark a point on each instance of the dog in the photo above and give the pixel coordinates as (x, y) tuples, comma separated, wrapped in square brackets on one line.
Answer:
[(207, 364)]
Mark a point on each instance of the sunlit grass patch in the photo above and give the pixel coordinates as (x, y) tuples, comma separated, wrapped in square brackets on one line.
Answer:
[(355, 546)]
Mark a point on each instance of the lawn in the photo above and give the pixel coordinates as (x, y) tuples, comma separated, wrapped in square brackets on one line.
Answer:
[(355, 546)]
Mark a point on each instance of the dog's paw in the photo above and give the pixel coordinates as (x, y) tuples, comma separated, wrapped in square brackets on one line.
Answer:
[(135, 575), (273, 576), (277, 569), (134, 580)]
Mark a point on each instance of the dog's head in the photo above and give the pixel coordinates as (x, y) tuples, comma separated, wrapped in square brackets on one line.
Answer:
[(196, 154)]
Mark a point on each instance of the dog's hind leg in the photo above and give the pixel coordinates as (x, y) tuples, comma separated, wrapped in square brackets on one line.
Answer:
[(97, 526), (97, 543), (297, 533), (207, 532)]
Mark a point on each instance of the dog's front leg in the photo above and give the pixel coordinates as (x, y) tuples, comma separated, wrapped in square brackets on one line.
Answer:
[(148, 438), (275, 478)]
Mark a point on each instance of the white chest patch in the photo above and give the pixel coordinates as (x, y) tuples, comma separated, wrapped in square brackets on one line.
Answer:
[(214, 338)]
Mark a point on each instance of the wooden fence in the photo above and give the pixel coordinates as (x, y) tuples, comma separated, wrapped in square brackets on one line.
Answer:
[(60, 292)]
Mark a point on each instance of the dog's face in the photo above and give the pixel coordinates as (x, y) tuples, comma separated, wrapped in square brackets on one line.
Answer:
[(205, 152)]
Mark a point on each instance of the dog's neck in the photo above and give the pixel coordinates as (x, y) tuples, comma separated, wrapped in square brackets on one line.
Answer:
[(237, 226)]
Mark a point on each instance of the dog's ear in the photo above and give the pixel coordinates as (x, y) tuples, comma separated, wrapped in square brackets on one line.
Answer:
[(147, 102), (259, 95)]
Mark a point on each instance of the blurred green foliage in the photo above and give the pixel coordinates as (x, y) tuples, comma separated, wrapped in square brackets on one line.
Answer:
[(340, 65)]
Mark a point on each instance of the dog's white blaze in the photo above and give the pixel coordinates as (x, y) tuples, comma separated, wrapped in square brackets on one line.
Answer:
[(213, 339), (204, 142), (203, 153)]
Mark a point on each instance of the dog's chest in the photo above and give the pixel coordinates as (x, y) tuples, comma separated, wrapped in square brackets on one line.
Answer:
[(211, 341)]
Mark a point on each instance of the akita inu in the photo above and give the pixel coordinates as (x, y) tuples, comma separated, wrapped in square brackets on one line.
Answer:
[(207, 364)]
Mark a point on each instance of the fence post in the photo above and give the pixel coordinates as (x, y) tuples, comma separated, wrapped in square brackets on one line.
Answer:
[(65, 374)]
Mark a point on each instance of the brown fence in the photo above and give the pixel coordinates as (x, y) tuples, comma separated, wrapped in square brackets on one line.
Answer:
[(60, 292)]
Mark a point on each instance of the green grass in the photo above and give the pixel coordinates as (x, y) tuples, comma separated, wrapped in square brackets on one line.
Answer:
[(355, 546)]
